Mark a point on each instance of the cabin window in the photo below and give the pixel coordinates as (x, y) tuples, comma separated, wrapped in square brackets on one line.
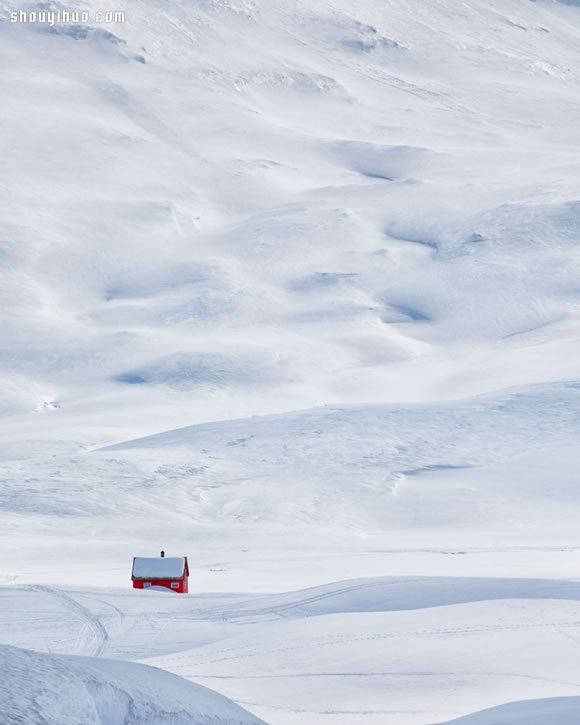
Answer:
[(146, 584), (175, 585)]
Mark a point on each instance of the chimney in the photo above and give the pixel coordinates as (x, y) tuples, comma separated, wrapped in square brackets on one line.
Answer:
[(163, 555)]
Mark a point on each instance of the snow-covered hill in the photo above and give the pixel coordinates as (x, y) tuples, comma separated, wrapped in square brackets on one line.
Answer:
[(293, 288), (563, 710), (53, 690), (223, 207)]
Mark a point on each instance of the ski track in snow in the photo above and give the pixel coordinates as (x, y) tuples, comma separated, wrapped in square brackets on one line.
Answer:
[(246, 648), (94, 636)]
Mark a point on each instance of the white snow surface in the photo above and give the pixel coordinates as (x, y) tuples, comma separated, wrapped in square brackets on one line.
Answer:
[(54, 690), (291, 288), (561, 710)]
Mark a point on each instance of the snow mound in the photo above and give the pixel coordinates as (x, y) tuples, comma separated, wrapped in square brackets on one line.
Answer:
[(391, 594), (561, 710), (282, 80), (186, 370), (377, 161), (51, 690)]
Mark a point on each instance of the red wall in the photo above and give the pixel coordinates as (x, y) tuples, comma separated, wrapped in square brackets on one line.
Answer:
[(181, 584)]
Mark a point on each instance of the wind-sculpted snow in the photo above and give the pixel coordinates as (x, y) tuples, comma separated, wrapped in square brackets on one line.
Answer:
[(389, 163), (339, 649), (39, 689), (377, 468), (353, 142), (292, 289)]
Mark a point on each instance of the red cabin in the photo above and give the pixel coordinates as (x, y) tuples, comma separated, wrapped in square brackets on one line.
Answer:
[(171, 572)]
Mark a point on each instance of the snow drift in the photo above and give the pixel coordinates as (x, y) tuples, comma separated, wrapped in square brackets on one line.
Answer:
[(556, 710), (38, 689)]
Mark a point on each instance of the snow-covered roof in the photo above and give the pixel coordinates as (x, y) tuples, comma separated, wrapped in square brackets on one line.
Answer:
[(169, 567)]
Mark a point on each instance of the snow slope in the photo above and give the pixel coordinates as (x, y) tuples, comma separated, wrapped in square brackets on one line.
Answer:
[(391, 649), (50, 690), (207, 224), (563, 710), (292, 289)]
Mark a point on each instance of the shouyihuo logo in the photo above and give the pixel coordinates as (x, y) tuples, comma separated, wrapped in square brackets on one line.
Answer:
[(66, 17)]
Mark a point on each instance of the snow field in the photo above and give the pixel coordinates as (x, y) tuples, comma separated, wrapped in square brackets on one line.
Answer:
[(291, 289)]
